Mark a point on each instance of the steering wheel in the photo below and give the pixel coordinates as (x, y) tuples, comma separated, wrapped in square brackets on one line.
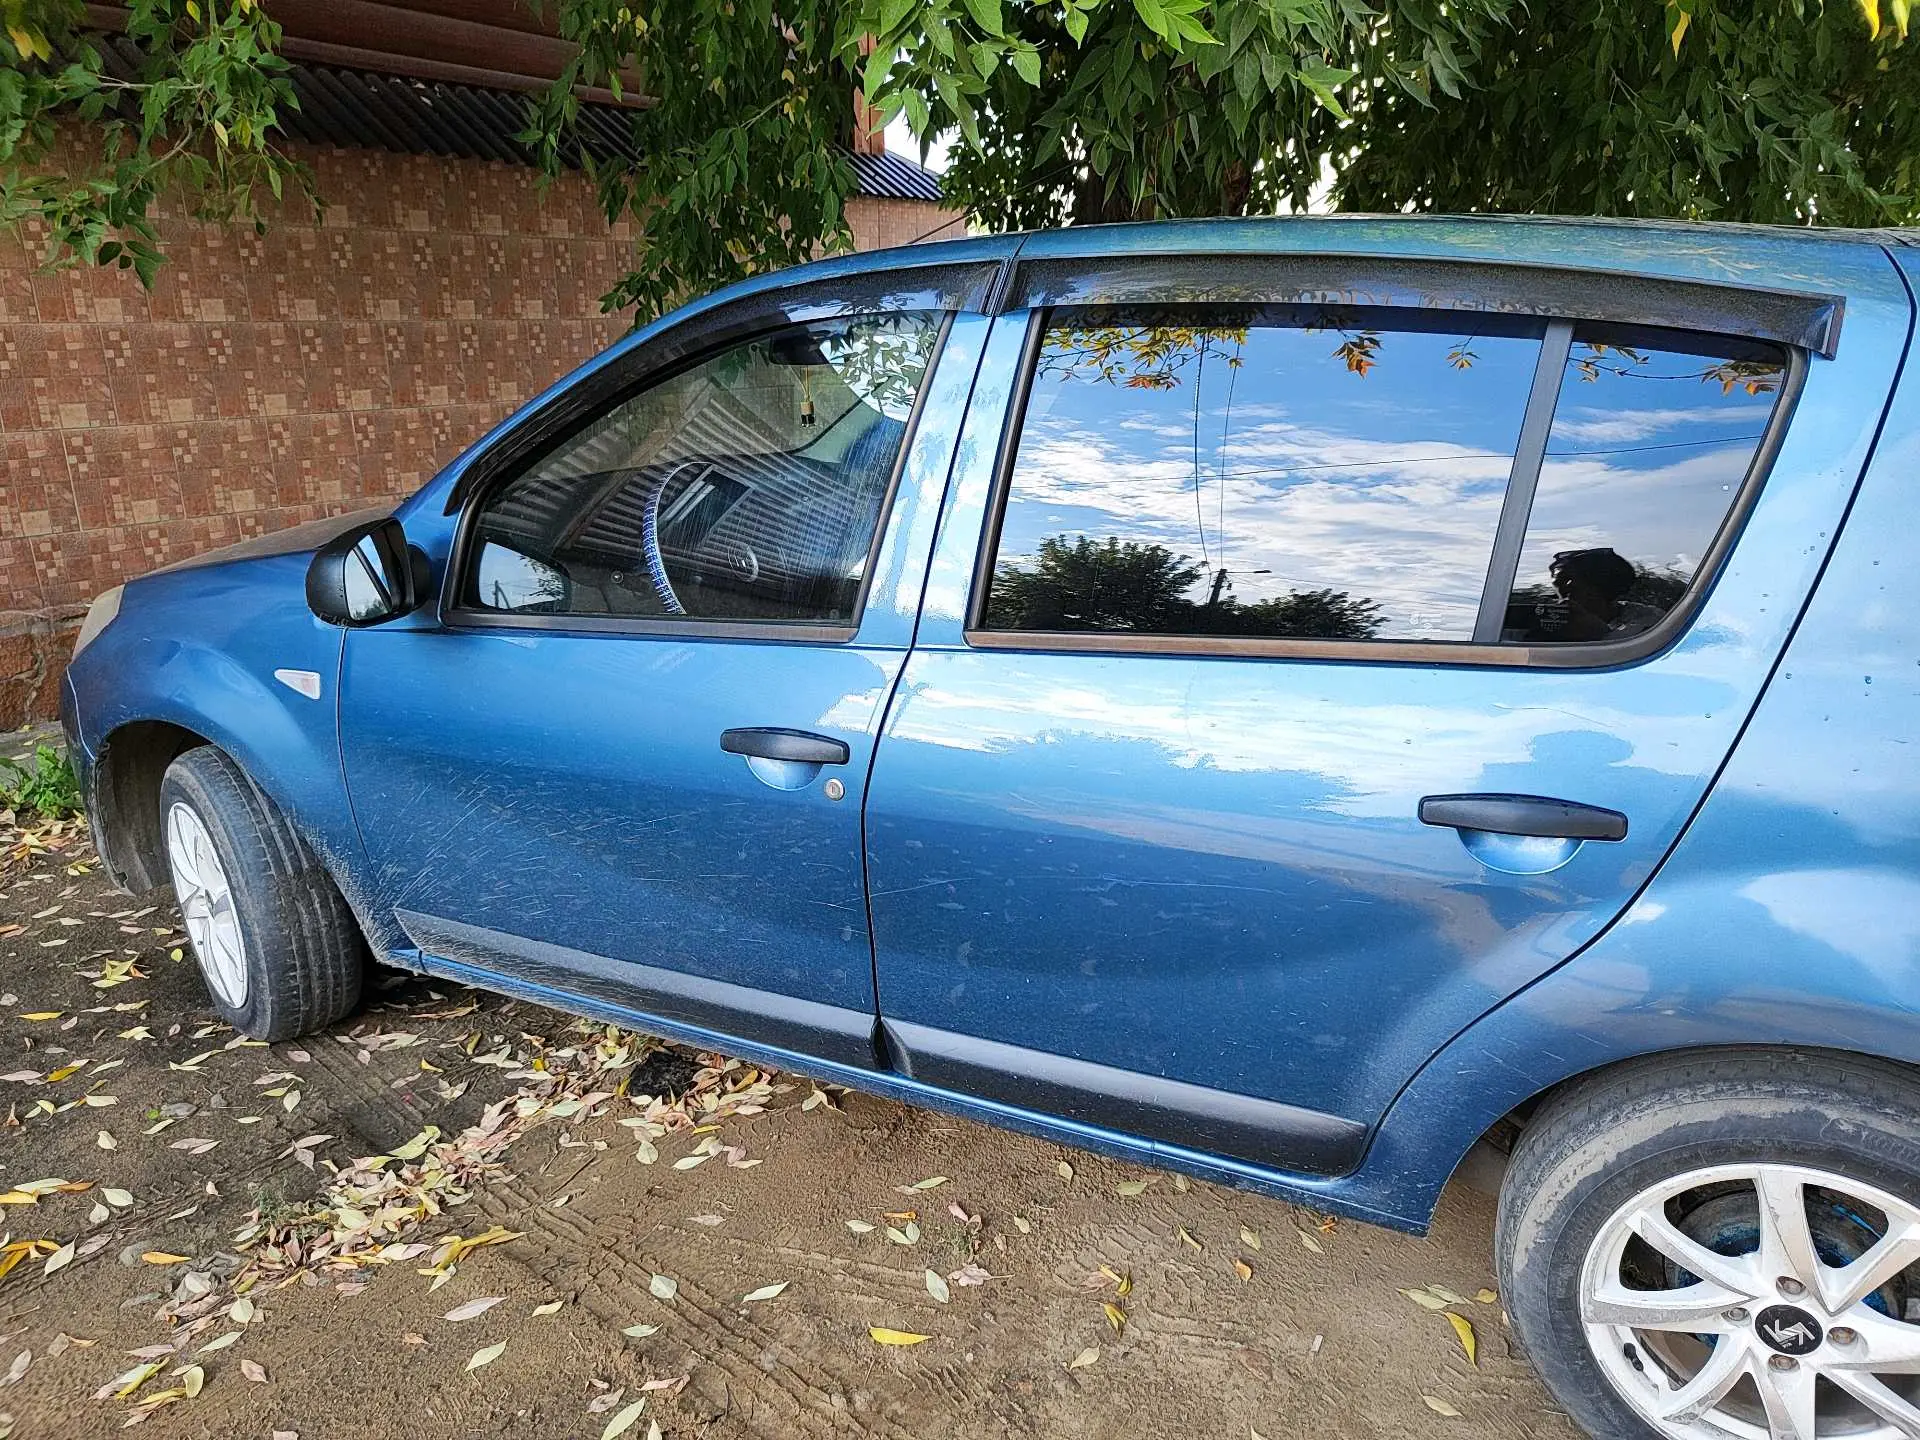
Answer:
[(650, 546)]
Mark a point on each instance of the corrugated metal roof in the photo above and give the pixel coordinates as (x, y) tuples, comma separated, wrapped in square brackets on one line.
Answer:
[(364, 109), (894, 177)]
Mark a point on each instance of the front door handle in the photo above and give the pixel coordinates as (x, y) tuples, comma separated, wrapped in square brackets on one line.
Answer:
[(1534, 815), (766, 742)]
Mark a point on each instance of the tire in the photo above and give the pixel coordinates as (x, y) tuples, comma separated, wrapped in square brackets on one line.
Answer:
[(1599, 1149), (299, 958)]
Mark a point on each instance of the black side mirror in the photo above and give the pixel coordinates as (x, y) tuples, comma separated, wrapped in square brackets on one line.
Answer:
[(367, 575)]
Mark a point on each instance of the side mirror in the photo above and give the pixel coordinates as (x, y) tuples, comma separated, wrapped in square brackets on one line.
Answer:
[(367, 575)]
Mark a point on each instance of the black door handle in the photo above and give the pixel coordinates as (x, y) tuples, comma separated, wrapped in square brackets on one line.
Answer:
[(1524, 815), (771, 743)]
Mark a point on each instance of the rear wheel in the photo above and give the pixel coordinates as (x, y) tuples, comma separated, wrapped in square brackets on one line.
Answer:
[(277, 946), (1723, 1245)]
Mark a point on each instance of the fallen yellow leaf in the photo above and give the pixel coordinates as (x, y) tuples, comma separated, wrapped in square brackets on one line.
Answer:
[(163, 1257), (1464, 1329), (883, 1336)]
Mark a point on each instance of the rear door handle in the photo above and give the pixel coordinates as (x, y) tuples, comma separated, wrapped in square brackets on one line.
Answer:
[(768, 742), (1524, 815)]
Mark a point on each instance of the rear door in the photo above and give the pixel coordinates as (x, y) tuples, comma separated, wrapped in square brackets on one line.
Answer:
[(1298, 679)]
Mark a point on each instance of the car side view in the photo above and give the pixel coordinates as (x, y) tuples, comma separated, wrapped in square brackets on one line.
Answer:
[(1294, 702)]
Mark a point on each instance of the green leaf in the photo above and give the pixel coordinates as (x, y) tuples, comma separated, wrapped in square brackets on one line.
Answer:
[(1026, 62), (1276, 69), (1154, 16), (986, 14), (874, 73)]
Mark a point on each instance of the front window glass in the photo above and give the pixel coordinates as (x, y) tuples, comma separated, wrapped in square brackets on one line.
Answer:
[(748, 487), (1288, 471)]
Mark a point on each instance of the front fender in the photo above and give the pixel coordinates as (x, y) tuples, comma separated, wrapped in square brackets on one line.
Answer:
[(198, 650)]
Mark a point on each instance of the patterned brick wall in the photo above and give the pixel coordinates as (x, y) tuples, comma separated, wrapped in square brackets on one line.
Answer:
[(268, 380)]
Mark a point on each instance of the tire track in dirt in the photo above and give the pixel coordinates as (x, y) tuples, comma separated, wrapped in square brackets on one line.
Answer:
[(614, 1289)]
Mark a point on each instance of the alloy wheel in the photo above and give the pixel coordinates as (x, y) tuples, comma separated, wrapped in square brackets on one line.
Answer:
[(1760, 1302), (206, 903)]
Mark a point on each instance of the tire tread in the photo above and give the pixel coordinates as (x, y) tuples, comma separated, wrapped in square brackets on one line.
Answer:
[(315, 972)]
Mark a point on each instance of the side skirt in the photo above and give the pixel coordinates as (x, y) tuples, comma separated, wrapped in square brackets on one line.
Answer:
[(1266, 1132), (832, 1032), (559, 989)]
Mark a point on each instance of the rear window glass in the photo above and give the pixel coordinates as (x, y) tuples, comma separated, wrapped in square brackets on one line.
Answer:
[(1340, 473), (1317, 472), (1653, 435)]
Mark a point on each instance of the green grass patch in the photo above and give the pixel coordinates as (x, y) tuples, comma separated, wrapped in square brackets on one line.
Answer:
[(44, 785)]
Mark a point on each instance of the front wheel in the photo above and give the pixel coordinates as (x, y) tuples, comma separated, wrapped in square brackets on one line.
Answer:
[(1723, 1245), (277, 946)]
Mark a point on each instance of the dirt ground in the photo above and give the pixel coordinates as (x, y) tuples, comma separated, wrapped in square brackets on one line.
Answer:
[(1106, 1300)]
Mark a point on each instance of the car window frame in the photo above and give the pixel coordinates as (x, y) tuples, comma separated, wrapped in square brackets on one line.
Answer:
[(1536, 426), (944, 290)]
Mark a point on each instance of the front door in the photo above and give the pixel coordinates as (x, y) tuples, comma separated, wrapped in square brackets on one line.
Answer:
[(628, 761), (1204, 818)]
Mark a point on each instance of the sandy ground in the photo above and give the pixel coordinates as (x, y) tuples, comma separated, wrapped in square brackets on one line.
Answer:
[(1306, 1332)]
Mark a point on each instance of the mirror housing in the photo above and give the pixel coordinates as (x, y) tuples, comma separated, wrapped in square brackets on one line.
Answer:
[(368, 575)]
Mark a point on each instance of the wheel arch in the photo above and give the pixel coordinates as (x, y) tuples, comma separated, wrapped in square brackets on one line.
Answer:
[(1440, 1128), (127, 831), (1500, 1132)]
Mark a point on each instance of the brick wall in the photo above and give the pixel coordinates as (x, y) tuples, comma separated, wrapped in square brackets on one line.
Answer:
[(265, 381)]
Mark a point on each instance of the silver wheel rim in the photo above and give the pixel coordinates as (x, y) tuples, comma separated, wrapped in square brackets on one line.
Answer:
[(206, 904), (1796, 1335)]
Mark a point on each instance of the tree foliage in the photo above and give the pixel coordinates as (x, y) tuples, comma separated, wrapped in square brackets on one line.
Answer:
[(1789, 111), (1128, 109), (199, 121), (1067, 110), (1782, 112), (1083, 584), (743, 135)]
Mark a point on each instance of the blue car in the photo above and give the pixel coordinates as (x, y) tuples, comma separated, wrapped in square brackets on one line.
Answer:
[(1294, 702)]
